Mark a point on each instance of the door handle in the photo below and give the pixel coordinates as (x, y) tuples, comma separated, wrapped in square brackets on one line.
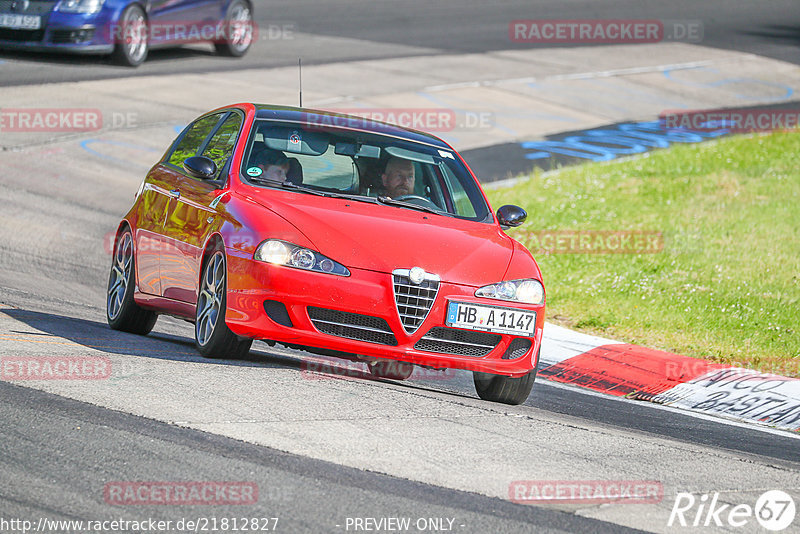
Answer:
[(175, 193)]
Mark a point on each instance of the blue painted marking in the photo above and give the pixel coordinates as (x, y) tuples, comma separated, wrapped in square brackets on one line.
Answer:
[(624, 139)]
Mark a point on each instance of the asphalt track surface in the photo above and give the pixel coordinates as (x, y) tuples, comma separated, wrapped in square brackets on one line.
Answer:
[(58, 452), (383, 29)]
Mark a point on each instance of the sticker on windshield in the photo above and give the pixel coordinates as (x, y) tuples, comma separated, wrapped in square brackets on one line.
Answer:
[(254, 171), (446, 154)]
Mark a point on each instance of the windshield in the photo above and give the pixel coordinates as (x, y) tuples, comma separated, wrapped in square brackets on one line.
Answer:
[(372, 167)]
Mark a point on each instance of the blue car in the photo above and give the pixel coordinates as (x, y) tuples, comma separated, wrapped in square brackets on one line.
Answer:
[(127, 29)]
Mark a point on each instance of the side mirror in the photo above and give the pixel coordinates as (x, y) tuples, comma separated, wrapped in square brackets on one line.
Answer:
[(200, 167), (511, 216)]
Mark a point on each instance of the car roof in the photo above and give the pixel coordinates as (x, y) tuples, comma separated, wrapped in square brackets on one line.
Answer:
[(326, 120)]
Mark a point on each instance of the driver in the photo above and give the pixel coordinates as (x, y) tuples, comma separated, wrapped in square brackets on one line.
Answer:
[(398, 177)]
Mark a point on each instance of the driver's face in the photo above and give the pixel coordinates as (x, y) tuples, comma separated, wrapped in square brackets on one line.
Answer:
[(399, 178)]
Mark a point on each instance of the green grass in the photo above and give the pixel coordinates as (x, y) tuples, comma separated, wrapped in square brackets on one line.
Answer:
[(726, 286)]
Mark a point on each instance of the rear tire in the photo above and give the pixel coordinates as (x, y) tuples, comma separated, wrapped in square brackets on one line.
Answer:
[(391, 369), (122, 312), (212, 336), (503, 389), (131, 37), (238, 30)]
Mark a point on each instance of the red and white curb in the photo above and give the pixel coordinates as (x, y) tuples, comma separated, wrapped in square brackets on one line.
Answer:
[(639, 373)]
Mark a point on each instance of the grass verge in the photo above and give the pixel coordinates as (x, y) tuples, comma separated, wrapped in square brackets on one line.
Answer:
[(725, 286)]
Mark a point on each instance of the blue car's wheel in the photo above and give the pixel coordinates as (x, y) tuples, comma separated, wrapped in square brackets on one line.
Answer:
[(131, 37), (238, 30)]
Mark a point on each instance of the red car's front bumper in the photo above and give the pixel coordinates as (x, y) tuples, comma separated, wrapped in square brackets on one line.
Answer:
[(365, 293)]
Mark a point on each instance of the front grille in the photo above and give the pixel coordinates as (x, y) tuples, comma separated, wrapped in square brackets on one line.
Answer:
[(517, 349), (21, 35), (34, 7), (459, 342), (414, 301), (352, 326)]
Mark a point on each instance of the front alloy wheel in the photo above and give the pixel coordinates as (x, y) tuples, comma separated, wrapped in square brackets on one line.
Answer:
[(504, 389), (212, 336)]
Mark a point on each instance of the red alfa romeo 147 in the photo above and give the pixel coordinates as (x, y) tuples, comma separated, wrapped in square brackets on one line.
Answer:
[(333, 234)]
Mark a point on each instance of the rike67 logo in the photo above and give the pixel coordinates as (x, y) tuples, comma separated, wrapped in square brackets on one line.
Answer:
[(774, 510)]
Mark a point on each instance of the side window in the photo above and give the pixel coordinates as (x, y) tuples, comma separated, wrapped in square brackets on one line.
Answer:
[(190, 144), (220, 147), (459, 195)]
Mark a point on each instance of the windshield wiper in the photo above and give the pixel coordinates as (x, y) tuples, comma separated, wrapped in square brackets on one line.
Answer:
[(288, 185), (389, 201)]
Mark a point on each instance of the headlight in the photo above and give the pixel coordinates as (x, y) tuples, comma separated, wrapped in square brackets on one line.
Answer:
[(285, 253), (80, 6), (529, 291)]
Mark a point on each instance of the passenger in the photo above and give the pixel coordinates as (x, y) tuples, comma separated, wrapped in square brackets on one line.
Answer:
[(274, 163), (398, 177)]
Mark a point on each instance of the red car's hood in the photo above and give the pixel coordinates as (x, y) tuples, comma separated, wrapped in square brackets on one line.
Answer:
[(383, 238)]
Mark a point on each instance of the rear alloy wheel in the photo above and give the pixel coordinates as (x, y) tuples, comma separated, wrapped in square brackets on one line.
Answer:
[(121, 310), (131, 37), (391, 369), (504, 389), (237, 32), (211, 335)]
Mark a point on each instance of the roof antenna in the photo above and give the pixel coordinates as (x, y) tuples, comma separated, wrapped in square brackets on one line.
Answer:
[(300, 75)]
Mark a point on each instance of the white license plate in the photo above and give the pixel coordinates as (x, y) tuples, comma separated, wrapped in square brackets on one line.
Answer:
[(491, 318), (20, 22)]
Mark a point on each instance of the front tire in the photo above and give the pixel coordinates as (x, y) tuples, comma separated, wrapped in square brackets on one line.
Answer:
[(238, 30), (122, 312), (503, 389), (131, 38), (212, 336)]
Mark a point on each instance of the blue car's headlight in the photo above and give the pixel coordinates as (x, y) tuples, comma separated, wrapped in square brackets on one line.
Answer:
[(528, 290), (80, 6), (285, 253)]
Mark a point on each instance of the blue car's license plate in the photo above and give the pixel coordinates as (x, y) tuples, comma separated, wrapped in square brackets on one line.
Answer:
[(491, 318), (20, 22)]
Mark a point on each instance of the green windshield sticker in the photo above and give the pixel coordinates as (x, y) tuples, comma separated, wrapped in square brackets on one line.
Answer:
[(254, 171)]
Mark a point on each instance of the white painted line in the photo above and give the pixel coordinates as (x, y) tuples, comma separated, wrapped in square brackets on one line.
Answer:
[(559, 344), (574, 76)]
